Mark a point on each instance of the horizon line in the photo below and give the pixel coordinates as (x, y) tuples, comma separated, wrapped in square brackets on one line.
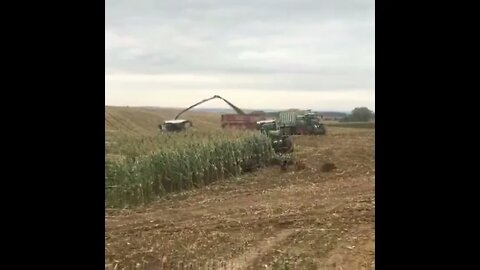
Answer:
[(245, 109)]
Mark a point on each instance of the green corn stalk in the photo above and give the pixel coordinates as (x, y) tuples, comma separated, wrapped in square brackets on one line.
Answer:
[(155, 166)]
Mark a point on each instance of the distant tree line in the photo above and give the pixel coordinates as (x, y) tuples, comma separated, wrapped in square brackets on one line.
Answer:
[(360, 114)]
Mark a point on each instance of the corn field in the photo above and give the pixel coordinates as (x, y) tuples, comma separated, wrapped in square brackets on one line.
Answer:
[(140, 169)]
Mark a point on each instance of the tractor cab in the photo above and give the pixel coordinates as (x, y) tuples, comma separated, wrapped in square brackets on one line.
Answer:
[(265, 126), (282, 141), (310, 123), (175, 125), (310, 118), (287, 130)]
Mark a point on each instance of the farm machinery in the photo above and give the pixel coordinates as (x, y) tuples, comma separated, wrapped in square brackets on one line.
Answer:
[(265, 126), (282, 140), (175, 125), (281, 137), (240, 120), (301, 123)]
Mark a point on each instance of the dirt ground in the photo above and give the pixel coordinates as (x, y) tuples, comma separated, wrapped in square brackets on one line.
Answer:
[(301, 218)]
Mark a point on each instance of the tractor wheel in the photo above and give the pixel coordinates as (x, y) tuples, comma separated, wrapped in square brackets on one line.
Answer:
[(323, 130), (289, 144)]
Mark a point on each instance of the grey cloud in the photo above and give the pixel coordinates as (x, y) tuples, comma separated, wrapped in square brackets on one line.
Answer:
[(333, 40)]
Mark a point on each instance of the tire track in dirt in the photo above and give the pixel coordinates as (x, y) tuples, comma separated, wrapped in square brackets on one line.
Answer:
[(247, 259), (314, 214), (192, 218), (340, 238), (352, 254), (245, 221)]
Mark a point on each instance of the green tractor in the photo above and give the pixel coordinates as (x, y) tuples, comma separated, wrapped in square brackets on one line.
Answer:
[(309, 123), (282, 143), (302, 123), (282, 140), (265, 126)]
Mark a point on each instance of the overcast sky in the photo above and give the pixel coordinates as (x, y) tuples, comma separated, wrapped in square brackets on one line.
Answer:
[(270, 54)]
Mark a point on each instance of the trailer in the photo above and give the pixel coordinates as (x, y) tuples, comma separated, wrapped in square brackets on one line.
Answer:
[(241, 121), (301, 122)]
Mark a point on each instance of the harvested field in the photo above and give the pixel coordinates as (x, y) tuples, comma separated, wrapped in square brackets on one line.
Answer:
[(305, 217), (352, 124)]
